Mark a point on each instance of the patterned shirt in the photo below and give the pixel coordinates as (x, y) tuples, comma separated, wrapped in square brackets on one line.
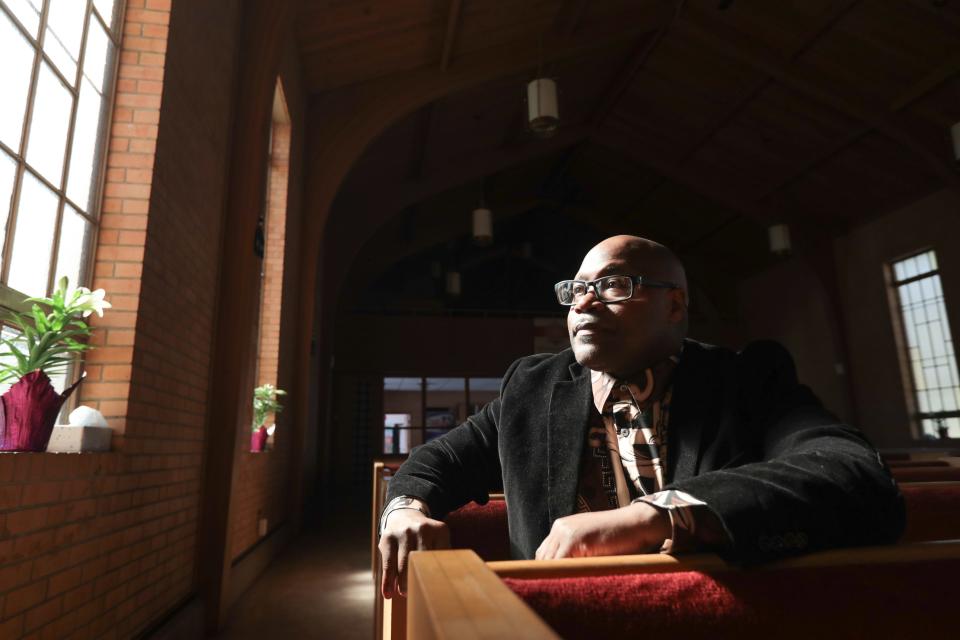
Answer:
[(625, 456)]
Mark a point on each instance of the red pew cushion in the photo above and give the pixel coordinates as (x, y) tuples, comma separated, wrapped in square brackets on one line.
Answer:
[(925, 474), (869, 601), (482, 528), (933, 511)]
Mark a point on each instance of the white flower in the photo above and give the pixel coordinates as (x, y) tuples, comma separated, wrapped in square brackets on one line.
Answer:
[(93, 301)]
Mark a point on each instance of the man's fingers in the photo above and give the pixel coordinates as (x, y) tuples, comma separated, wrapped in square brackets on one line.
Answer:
[(409, 540), (388, 563)]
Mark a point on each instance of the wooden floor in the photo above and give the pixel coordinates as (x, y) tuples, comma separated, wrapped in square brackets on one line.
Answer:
[(319, 587)]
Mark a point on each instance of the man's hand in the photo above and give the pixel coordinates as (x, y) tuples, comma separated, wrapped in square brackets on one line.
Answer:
[(636, 528), (404, 531)]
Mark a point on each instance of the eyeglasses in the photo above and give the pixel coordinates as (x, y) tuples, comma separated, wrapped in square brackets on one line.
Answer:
[(607, 289)]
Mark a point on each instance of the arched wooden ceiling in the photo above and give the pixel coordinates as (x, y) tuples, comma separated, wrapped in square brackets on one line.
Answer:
[(692, 123)]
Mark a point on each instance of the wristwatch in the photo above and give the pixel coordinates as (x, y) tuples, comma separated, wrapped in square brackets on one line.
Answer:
[(401, 502)]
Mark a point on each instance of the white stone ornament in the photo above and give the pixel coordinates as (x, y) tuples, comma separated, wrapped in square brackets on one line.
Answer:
[(84, 416)]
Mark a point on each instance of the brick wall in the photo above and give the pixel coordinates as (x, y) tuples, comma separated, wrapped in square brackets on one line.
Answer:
[(102, 545), (261, 478)]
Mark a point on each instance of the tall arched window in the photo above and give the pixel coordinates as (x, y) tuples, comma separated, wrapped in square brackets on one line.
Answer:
[(58, 61)]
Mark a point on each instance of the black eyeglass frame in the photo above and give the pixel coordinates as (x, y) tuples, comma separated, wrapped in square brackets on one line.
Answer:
[(634, 282)]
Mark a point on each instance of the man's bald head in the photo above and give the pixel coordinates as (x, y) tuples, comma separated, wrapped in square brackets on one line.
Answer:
[(630, 335), (640, 256)]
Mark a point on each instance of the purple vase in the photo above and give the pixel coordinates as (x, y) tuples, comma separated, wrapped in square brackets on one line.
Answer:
[(28, 412)]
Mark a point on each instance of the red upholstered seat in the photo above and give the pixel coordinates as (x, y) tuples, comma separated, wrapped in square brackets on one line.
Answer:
[(482, 528), (869, 601), (925, 474), (933, 511)]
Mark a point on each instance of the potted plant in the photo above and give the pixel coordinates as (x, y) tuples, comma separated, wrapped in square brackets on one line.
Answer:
[(265, 402), (49, 338)]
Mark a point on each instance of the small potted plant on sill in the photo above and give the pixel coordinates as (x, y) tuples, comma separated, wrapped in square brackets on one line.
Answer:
[(50, 337), (265, 402)]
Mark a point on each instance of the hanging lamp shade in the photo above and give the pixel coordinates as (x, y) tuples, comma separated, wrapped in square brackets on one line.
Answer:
[(453, 283), (779, 235), (543, 114), (482, 226), (955, 136)]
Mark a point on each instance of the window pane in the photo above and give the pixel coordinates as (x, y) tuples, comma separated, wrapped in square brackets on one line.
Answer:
[(99, 53), (8, 173), (446, 405), (482, 391), (27, 12), (33, 238), (74, 238), (48, 129), (107, 10), (17, 55), (64, 31), (86, 153)]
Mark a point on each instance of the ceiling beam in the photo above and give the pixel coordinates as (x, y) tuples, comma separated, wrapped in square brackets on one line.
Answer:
[(721, 40), (655, 163), (919, 89), (399, 195), (628, 73), (450, 37), (808, 41), (937, 12), (421, 141)]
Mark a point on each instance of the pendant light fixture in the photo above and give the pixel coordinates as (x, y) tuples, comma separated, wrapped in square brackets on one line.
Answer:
[(482, 222), (955, 136), (453, 283), (543, 113), (543, 110), (779, 237)]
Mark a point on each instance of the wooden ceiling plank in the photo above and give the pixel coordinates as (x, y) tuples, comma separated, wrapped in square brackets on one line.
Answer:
[(928, 7), (569, 16), (765, 61), (949, 68), (622, 81), (450, 37)]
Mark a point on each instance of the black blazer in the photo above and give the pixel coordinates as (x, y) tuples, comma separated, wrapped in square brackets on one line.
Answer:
[(782, 474)]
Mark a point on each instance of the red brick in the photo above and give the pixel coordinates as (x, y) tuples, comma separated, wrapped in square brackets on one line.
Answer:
[(40, 493), (12, 628), (23, 598), (65, 581), (42, 614), (26, 520)]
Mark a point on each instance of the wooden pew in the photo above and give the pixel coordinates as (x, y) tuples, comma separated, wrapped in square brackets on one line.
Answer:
[(933, 513), (892, 591)]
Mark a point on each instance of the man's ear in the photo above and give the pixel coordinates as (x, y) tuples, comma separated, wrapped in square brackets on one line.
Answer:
[(678, 305)]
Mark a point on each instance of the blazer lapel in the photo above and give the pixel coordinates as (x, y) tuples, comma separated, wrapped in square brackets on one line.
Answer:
[(567, 424), (687, 415)]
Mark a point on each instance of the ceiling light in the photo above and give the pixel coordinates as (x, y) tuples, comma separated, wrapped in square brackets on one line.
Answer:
[(779, 235), (543, 115), (482, 225), (955, 136), (453, 283)]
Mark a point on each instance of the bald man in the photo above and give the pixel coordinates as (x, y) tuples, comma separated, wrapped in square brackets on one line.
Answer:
[(638, 440)]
